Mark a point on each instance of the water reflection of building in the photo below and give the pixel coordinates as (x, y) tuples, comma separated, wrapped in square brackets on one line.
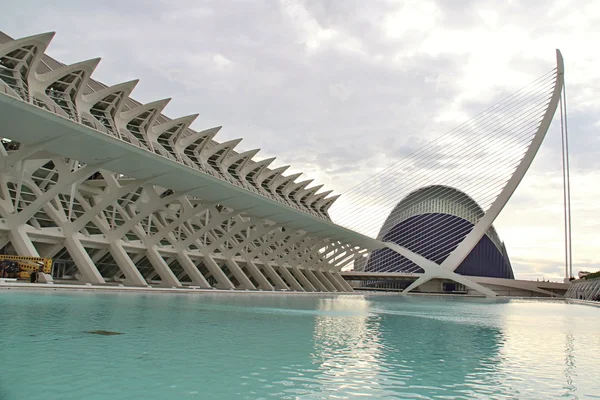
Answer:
[(401, 347), (348, 345)]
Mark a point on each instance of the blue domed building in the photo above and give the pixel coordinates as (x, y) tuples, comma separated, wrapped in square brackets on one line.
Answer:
[(432, 221)]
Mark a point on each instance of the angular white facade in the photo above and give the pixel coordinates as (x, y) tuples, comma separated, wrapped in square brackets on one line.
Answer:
[(93, 179)]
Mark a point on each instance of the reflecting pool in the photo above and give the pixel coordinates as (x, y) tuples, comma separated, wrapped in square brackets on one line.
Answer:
[(90, 345)]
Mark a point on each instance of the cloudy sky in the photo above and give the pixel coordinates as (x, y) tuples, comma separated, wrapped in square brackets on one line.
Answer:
[(341, 89)]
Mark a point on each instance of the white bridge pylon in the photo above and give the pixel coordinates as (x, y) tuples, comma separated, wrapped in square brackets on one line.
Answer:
[(452, 261)]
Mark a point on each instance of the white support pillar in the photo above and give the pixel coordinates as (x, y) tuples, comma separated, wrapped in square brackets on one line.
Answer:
[(191, 270), (232, 265), (263, 283), (262, 232), (242, 278), (303, 258), (334, 281), (255, 252), (314, 280), (235, 269), (132, 274), (289, 244), (21, 242), (223, 281), (290, 279), (84, 263), (215, 220), (279, 283), (324, 281), (122, 258), (87, 267), (162, 268), (339, 265), (337, 276), (302, 279)]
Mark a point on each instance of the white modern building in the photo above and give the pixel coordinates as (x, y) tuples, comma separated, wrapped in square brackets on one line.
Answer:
[(118, 193)]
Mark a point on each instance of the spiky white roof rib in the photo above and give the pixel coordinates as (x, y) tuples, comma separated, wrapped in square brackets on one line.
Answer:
[(68, 90)]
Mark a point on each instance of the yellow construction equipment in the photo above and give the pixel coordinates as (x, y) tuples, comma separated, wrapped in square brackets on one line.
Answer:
[(27, 265)]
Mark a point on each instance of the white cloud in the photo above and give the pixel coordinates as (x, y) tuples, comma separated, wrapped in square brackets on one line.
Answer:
[(221, 61), (411, 16)]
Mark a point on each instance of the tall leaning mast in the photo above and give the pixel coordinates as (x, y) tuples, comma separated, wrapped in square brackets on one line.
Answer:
[(566, 180)]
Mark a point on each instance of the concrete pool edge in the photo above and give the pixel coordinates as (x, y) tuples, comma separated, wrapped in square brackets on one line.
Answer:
[(22, 286), (158, 290), (584, 302)]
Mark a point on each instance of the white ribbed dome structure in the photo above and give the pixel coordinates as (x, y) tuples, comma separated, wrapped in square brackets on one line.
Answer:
[(432, 221)]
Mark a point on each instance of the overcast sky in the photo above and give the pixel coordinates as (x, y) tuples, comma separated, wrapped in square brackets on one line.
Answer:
[(341, 89)]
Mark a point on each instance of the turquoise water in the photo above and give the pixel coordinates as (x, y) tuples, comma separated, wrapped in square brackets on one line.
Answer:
[(215, 346)]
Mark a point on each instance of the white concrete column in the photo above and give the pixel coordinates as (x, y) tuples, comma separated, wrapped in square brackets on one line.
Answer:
[(242, 278), (255, 252), (215, 220), (279, 283), (235, 269), (157, 262), (162, 269), (21, 242), (223, 281), (326, 282), (132, 274), (191, 270), (314, 280), (356, 254), (344, 283), (263, 283), (338, 286), (262, 232), (308, 286), (84, 263), (294, 284)]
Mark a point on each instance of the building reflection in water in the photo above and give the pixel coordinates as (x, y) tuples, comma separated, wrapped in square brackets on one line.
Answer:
[(419, 348), (391, 347), (347, 345)]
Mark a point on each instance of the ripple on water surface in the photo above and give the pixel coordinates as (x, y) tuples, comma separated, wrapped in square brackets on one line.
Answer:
[(62, 345)]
